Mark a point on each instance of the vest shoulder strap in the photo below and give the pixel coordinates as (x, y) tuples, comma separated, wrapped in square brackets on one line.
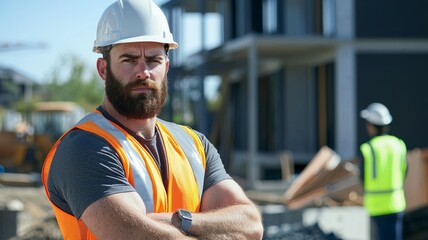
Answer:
[(192, 147)]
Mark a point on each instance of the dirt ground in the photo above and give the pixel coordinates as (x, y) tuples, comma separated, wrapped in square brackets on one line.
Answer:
[(35, 218)]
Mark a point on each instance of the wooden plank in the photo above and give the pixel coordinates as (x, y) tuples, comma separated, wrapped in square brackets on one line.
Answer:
[(313, 197), (287, 165), (324, 161), (326, 178), (345, 191), (416, 183)]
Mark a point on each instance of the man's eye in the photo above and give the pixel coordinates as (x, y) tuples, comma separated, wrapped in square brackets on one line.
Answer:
[(154, 60), (129, 60)]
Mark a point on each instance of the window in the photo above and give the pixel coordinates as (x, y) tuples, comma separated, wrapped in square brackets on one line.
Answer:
[(270, 16)]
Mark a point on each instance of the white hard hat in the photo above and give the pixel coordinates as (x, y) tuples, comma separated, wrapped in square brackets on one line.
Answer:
[(377, 114), (127, 21)]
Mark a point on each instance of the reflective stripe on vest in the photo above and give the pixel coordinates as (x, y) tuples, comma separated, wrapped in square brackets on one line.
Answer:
[(189, 148), (374, 169), (141, 177), (384, 173), (186, 169)]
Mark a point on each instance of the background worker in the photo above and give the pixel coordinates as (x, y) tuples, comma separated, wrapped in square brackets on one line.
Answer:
[(123, 173), (383, 172)]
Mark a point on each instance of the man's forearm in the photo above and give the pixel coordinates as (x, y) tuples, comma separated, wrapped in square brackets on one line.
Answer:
[(123, 214), (233, 222), (171, 219)]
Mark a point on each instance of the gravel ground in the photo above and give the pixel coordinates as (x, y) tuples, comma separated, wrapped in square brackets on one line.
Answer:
[(35, 218), (297, 232)]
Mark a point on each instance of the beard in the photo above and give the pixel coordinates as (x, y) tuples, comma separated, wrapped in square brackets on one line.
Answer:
[(141, 106)]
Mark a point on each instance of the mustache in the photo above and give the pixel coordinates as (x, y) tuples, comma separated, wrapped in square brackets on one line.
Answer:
[(142, 83)]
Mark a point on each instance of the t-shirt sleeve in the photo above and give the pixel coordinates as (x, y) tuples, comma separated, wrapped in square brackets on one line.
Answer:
[(85, 168), (215, 171)]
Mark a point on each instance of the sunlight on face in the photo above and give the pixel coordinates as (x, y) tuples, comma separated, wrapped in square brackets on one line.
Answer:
[(136, 80)]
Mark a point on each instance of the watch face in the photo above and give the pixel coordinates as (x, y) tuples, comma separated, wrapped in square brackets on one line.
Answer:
[(185, 214)]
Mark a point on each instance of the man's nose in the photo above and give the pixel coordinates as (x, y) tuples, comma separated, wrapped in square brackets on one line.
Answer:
[(143, 71)]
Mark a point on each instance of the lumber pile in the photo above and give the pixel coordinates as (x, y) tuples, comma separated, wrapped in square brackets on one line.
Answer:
[(416, 184), (327, 180)]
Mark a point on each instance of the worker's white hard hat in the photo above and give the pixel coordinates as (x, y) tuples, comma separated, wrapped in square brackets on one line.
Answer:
[(127, 21), (377, 114)]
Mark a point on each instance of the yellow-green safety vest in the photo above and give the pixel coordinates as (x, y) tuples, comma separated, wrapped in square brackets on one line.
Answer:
[(384, 173)]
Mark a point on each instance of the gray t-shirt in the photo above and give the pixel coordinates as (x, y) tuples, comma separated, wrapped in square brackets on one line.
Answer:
[(86, 168)]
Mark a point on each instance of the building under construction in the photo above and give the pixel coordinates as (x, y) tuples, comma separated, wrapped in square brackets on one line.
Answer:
[(293, 75), (277, 86)]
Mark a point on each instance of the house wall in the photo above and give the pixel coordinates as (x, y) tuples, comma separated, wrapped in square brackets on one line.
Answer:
[(300, 112), (398, 80), (391, 18), (366, 63)]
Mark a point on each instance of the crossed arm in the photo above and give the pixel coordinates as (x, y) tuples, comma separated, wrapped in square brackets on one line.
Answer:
[(226, 213)]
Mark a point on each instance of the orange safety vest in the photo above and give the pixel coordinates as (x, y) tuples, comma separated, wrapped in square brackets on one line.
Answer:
[(186, 170)]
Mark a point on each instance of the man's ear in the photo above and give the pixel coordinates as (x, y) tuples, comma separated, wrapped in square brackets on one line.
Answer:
[(167, 65), (102, 68)]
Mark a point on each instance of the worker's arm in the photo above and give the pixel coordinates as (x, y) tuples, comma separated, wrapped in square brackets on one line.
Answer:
[(123, 216), (226, 213)]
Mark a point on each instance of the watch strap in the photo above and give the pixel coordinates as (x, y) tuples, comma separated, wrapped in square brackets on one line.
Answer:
[(185, 225), (186, 220)]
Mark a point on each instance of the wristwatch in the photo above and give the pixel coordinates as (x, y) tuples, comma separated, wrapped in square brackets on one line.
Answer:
[(186, 219)]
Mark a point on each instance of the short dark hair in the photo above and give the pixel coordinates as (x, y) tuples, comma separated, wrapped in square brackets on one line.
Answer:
[(381, 129), (105, 51), (166, 47)]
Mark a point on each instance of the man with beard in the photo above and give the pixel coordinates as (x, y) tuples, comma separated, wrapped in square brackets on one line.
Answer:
[(123, 173)]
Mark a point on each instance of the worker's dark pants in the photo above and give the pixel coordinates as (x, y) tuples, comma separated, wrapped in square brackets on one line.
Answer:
[(389, 227)]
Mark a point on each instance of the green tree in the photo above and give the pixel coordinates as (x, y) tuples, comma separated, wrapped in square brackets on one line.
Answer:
[(71, 81)]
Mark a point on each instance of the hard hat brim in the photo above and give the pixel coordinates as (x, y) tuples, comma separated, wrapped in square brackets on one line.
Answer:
[(172, 44)]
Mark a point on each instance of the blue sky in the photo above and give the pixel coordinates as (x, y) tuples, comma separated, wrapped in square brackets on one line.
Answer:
[(64, 27)]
